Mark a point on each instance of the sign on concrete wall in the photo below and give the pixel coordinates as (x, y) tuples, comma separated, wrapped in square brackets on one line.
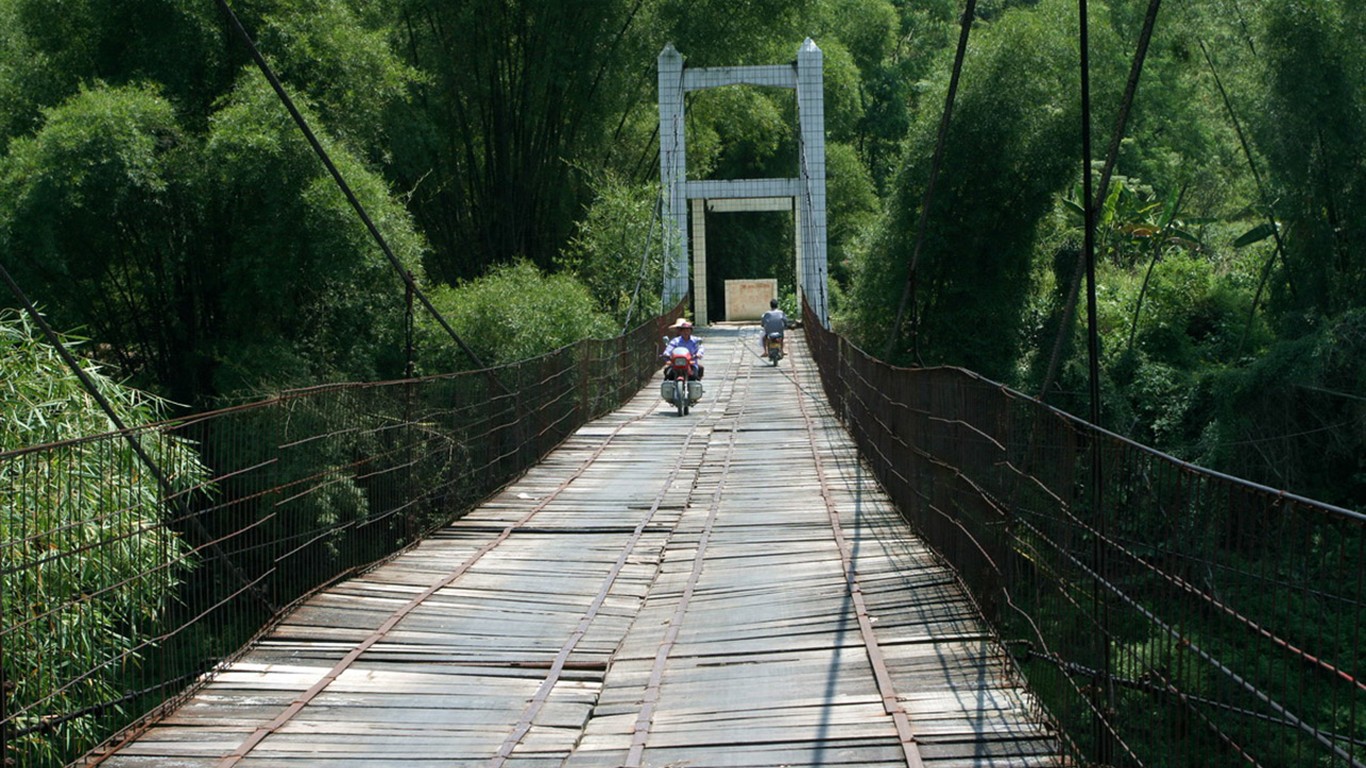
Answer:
[(748, 299)]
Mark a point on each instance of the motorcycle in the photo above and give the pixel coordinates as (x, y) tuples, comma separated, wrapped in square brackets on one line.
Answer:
[(677, 389), (773, 345)]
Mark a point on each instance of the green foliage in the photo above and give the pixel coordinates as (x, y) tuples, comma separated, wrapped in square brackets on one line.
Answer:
[(736, 133), (1314, 129), (715, 33), (1135, 223), (617, 250), (843, 107), (1190, 316), (516, 98), (208, 266), (56, 53), (20, 78), (852, 209), (898, 86), (866, 28), (1008, 151), (513, 313), (1160, 398), (94, 210), (89, 563), (312, 295), (1170, 316), (1293, 418), (344, 63)]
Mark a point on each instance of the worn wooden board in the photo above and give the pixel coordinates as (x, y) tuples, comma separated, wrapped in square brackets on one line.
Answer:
[(663, 591)]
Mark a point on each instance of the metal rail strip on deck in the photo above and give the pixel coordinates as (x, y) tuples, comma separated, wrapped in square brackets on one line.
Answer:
[(885, 685), (726, 588)]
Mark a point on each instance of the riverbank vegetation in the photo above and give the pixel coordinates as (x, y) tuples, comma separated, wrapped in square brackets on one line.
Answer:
[(156, 197)]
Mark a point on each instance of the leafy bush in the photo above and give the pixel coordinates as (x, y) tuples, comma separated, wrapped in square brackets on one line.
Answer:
[(617, 251), (92, 206), (512, 313), (89, 562), (1294, 418)]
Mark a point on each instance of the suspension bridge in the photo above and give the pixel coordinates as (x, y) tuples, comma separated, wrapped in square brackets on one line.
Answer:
[(831, 562), (727, 588)]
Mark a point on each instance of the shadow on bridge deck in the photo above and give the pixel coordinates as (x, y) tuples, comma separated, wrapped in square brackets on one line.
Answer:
[(727, 588)]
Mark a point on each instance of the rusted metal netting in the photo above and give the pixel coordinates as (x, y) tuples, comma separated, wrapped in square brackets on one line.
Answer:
[(118, 596), (1189, 618)]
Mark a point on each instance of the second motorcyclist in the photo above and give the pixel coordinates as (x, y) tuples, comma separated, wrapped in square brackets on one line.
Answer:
[(773, 321)]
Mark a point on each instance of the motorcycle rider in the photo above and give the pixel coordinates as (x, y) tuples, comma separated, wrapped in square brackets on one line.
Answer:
[(773, 321), (685, 340)]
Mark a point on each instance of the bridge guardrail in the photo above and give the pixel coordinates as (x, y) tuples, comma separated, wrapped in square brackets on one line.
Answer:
[(1188, 619), (118, 600)]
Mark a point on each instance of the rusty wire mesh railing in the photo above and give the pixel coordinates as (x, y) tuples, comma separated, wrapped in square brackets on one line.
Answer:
[(1187, 619), (118, 599)]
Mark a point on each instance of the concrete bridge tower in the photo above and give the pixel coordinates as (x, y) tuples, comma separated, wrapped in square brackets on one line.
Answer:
[(804, 195)]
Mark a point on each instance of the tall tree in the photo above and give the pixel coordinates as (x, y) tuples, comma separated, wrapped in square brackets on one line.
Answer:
[(1312, 131), (1009, 152), (514, 93), (173, 211), (52, 52), (96, 211), (204, 264)]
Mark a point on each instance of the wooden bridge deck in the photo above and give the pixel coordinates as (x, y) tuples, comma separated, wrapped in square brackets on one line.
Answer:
[(728, 588)]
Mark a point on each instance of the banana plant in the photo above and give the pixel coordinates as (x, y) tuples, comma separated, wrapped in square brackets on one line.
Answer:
[(1269, 228), (1133, 222), (1164, 232)]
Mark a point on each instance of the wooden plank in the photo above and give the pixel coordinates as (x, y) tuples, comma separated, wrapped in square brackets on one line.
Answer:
[(689, 562)]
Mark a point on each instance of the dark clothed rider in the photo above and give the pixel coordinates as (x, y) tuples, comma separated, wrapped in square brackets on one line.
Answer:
[(773, 321)]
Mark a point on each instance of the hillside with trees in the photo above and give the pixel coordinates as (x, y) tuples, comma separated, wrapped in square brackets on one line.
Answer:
[(158, 199)]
